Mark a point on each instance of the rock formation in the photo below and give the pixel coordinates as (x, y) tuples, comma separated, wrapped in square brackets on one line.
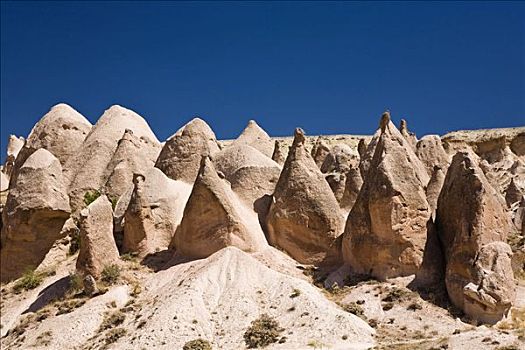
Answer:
[(252, 175), (304, 218), (214, 218), (320, 151), (181, 155), (434, 187), (278, 155), (512, 193), (97, 245), (353, 184), (431, 153), (409, 136), (88, 170), (14, 145), (386, 230), (61, 131), (133, 155), (469, 220), (36, 209), (253, 135), (154, 212)]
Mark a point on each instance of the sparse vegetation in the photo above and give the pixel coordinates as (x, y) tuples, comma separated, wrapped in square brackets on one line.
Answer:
[(114, 335), (74, 242), (295, 293), (262, 332), (44, 339), (197, 344), (315, 344), (76, 284), (353, 308), (68, 306), (29, 280), (112, 320), (91, 196), (110, 274), (388, 306), (414, 306), (397, 294)]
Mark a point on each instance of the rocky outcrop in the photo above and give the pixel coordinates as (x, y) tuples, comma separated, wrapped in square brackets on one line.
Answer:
[(154, 212), (319, 151), (97, 245), (133, 155), (4, 182), (14, 145), (434, 188), (469, 220), (512, 193), (252, 175), (353, 185), (253, 135), (409, 136), (336, 165), (304, 218), (278, 155), (431, 153), (386, 230), (214, 218), (36, 209), (88, 170), (181, 155), (61, 131)]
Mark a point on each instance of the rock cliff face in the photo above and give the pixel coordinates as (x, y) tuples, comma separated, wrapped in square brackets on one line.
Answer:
[(37, 206), (215, 233), (386, 230), (304, 218), (181, 155), (472, 227)]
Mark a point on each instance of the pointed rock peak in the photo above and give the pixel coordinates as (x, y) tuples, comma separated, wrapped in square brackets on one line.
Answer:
[(384, 121), (277, 155), (41, 158), (214, 218), (361, 147), (194, 127), (403, 126), (299, 137), (253, 135)]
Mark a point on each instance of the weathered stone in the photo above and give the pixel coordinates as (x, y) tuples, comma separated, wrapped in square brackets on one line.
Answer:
[(133, 155), (181, 155), (154, 212), (36, 209), (512, 193), (409, 136), (434, 188), (88, 170), (304, 218), (469, 219), (431, 153), (386, 229), (320, 151), (90, 285), (214, 218), (353, 184), (278, 155), (253, 135), (97, 244)]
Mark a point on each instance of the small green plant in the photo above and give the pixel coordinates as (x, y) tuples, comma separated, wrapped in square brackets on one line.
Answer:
[(76, 284), (397, 294), (262, 332), (110, 274), (74, 242), (114, 201), (91, 196), (197, 344), (315, 344), (295, 293), (129, 256), (354, 308), (68, 306), (414, 306), (29, 280), (112, 320), (114, 335), (44, 339), (388, 306)]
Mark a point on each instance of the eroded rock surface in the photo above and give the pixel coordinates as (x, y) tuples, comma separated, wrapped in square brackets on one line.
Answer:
[(304, 218), (36, 209)]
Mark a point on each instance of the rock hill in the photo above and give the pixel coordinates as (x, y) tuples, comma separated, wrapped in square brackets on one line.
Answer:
[(111, 239)]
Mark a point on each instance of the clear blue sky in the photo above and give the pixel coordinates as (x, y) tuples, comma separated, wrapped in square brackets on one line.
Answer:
[(327, 67)]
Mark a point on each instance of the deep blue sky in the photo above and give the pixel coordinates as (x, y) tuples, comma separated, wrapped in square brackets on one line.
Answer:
[(328, 67)]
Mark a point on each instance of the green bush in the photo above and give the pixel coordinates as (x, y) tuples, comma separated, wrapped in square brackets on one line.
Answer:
[(29, 280), (91, 196), (76, 283), (110, 274), (263, 331), (197, 344), (295, 293), (112, 320), (353, 308)]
